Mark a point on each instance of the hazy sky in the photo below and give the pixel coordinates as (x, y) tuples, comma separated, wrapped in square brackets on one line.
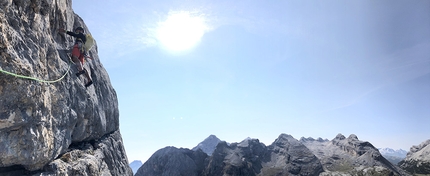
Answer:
[(237, 69)]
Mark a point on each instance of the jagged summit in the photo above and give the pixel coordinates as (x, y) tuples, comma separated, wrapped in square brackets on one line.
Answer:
[(353, 137), (285, 156), (208, 145), (303, 139), (350, 155), (339, 137), (284, 138)]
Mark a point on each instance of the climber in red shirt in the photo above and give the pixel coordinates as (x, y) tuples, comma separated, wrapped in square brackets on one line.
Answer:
[(78, 52)]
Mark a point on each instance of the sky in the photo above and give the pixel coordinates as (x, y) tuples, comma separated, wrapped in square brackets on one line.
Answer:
[(184, 70)]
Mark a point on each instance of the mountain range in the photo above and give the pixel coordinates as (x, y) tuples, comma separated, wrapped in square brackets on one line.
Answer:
[(285, 156), (394, 156)]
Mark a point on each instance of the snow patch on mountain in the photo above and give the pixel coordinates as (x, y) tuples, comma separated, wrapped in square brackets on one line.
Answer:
[(391, 152), (394, 156)]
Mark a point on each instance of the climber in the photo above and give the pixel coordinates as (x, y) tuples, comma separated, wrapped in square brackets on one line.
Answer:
[(79, 53)]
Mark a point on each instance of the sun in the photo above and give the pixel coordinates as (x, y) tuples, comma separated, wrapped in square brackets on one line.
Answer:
[(181, 31)]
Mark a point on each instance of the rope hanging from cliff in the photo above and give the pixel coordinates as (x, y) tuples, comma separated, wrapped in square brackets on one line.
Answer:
[(36, 79)]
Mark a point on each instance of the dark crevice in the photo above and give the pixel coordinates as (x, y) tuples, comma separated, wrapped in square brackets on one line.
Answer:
[(16, 170)]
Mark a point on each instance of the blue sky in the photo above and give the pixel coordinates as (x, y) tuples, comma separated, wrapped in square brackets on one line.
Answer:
[(262, 68)]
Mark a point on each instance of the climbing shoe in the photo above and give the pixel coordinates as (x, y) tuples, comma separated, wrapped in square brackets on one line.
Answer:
[(80, 73), (88, 84)]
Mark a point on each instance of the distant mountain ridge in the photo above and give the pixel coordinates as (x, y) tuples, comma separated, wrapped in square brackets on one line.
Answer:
[(135, 165), (391, 152), (350, 156), (285, 156), (394, 156)]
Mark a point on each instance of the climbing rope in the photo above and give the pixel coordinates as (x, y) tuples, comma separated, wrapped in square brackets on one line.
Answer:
[(36, 79)]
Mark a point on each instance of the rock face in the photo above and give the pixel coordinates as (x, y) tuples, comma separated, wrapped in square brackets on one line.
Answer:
[(350, 156), (173, 161), (417, 160), (208, 145), (59, 128), (286, 156)]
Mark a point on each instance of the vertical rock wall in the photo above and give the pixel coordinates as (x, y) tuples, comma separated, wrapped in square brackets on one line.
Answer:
[(43, 123)]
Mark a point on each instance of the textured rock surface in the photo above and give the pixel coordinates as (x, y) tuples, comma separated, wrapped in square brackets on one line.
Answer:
[(350, 156), (208, 145), (173, 161), (286, 156), (40, 122), (341, 156), (417, 160)]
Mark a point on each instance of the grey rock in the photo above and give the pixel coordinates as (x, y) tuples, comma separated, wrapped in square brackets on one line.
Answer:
[(350, 156), (244, 158), (208, 145), (40, 121), (286, 156), (417, 160), (173, 161)]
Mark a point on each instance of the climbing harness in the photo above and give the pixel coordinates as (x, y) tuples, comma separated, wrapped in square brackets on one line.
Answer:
[(36, 79)]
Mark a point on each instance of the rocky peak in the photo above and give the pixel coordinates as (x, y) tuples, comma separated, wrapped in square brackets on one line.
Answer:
[(358, 157), (173, 161), (285, 140), (339, 137), (41, 122), (353, 137), (415, 149), (417, 160), (310, 139), (208, 145), (286, 156), (303, 139)]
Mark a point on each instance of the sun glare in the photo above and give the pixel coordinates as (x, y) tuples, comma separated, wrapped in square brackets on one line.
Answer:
[(181, 31)]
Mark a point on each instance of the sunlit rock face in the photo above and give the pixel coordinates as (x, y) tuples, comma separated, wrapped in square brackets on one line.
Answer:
[(285, 156), (53, 128), (350, 156), (417, 160)]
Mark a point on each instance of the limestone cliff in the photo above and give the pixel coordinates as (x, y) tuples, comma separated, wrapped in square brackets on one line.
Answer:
[(417, 160), (59, 128)]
